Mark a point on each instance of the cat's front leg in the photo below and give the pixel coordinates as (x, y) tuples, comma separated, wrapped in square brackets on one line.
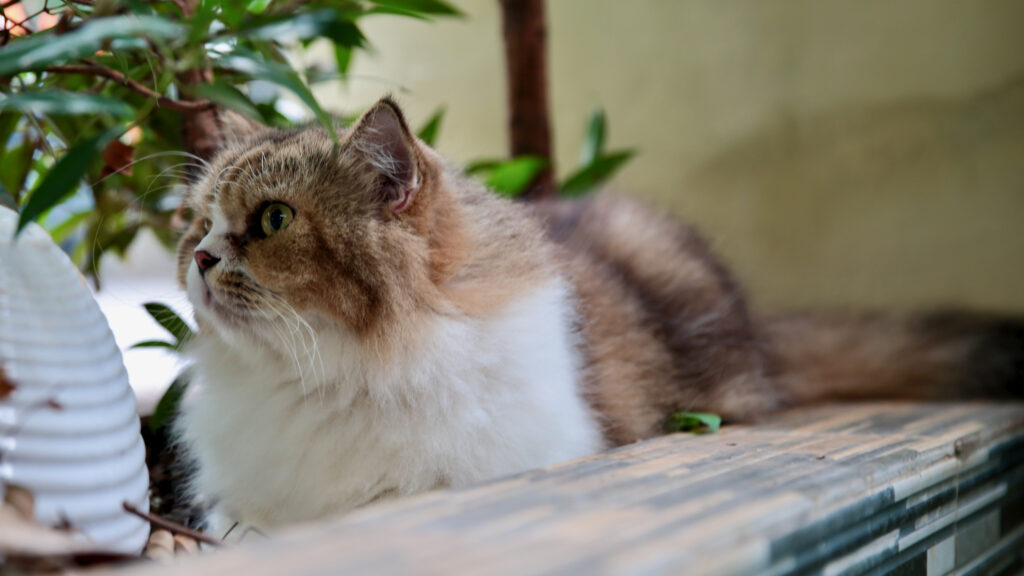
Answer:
[(221, 525)]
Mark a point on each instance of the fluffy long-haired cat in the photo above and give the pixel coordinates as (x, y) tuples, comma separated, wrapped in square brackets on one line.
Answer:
[(373, 324)]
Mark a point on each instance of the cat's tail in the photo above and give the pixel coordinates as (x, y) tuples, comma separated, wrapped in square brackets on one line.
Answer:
[(942, 355)]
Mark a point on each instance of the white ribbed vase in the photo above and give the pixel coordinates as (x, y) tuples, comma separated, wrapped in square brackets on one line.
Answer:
[(83, 460)]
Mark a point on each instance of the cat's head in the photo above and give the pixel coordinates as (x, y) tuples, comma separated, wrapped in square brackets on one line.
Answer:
[(287, 225)]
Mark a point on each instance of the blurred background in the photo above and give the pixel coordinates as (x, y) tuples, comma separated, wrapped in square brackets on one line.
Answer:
[(850, 154), (837, 154)]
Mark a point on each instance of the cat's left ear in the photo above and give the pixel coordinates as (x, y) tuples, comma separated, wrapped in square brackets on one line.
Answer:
[(386, 148), (238, 128)]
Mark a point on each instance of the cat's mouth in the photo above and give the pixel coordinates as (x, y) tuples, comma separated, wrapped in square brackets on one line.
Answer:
[(207, 295), (217, 307)]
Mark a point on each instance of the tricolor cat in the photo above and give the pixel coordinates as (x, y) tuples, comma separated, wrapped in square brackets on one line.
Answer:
[(373, 323)]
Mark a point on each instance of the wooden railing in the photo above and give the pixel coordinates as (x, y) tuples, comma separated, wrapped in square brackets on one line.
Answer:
[(926, 488)]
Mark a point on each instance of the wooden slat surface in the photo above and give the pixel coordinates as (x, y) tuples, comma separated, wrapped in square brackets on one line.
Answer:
[(810, 489)]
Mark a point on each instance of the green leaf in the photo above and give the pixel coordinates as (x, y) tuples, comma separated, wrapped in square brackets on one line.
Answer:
[(595, 174), (511, 178), (199, 24), (327, 23), (169, 403), (271, 116), (696, 422), (230, 13), (229, 97), (170, 321), (154, 344), (416, 8), (316, 75), (64, 177), (8, 123), (15, 165), (119, 46), (282, 75), (343, 59), (60, 232), (258, 6), (481, 166), (428, 133), (593, 141), (138, 6), (44, 48), (121, 239), (64, 103)]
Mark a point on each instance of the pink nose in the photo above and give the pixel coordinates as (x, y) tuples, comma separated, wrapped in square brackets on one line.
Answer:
[(205, 260)]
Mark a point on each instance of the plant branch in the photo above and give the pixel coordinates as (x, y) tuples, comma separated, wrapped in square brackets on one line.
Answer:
[(172, 527), (526, 69), (93, 69), (200, 129)]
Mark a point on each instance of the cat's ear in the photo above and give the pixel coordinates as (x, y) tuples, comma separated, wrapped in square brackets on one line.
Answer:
[(237, 127), (385, 147)]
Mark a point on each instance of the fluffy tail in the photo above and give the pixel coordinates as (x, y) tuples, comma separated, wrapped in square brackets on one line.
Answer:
[(941, 355)]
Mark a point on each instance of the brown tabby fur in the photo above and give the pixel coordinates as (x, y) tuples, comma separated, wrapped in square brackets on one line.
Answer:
[(664, 326)]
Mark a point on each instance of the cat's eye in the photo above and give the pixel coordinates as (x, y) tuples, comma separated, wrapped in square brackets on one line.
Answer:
[(207, 225), (276, 217)]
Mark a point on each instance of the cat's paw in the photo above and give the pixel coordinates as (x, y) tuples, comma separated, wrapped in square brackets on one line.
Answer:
[(219, 524)]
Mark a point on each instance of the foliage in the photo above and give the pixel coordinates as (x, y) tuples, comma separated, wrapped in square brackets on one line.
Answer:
[(596, 165), (428, 133), (170, 401), (97, 97), (181, 333), (89, 89), (512, 177), (170, 321), (508, 177), (60, 181), (696, 422)]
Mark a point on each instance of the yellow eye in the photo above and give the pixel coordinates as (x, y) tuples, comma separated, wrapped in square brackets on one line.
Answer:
[(276, 217)]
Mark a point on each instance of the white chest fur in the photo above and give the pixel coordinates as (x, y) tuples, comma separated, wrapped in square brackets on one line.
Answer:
[(479, 399)]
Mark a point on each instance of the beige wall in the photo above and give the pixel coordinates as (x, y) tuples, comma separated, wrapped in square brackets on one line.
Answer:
[(866, 153)]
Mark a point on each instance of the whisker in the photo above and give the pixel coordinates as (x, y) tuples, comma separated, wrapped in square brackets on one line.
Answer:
[(203, 164), (274, 304), (95, 250), (310, 343), (218, 180), (267, 308)]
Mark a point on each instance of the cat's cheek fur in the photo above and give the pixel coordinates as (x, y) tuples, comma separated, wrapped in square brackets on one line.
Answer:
[(196, 291), (473, 399), (208, 319)]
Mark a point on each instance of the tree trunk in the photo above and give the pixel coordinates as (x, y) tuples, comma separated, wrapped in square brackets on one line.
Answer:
[(200, 131), (526, 67)]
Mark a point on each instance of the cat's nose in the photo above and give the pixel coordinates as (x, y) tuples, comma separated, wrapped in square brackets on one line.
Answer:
[(205, 260)]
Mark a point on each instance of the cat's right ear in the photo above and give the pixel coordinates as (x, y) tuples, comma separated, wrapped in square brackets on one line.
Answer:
[(237, 127)]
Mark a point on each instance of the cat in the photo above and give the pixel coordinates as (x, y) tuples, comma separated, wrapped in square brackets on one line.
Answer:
[(373, 323)]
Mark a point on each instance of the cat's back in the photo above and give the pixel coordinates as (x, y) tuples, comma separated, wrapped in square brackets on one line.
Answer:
[(664, 323)]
